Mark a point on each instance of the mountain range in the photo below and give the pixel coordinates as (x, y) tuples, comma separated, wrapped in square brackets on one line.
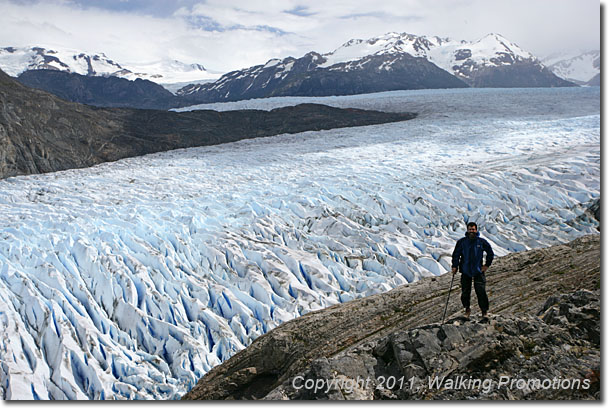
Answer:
[(394, 61), (16, 60), (390, 62)]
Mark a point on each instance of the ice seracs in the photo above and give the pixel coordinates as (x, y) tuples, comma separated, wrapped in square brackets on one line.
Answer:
[(132, 279)]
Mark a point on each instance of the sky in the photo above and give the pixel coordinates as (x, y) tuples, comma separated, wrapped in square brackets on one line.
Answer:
[(225, 35)]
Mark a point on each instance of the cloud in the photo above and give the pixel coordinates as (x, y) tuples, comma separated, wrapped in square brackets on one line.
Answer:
[(225, 35), (131, 38), (230, 14), (301, 11)]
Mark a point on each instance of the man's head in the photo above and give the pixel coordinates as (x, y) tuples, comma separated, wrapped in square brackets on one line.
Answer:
[(471, 230)]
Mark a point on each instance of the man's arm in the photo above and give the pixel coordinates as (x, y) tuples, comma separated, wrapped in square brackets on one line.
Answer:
[(455, 257), (489, 255)]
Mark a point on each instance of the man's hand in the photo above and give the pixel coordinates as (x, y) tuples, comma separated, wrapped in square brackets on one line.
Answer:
[(453, 270), (484, 268)]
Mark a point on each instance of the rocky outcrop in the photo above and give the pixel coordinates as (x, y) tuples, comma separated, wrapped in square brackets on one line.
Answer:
[(42, 133), (544, 325), (595, 211), (554, 355)]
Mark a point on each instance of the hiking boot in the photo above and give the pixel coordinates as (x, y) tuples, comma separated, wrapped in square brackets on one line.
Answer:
[(484, 314), (467, 313)]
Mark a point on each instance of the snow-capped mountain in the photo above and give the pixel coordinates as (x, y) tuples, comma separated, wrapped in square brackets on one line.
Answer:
[(460, 58), (390, 62), (581, 69), (14, 61), (469, 61), (307, 77), (391, 43)]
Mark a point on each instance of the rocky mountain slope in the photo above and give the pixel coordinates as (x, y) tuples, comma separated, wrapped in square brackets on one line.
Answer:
[(101, 91), (544, 326), (42, 133), (306, 76), (395, 61)]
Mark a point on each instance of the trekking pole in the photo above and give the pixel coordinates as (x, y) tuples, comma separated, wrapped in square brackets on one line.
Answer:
[(448, 294)]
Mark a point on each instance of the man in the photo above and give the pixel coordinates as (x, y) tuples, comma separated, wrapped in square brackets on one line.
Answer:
[(468, 257)]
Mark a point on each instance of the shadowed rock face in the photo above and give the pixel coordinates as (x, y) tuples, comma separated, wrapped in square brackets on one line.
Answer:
[(102, 91), (42, 133), (535, 332)]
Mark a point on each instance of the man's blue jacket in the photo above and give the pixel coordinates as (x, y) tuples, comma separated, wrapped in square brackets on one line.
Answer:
[(468, 255)]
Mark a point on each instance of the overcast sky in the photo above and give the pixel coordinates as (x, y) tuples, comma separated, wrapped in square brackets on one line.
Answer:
[(224, 35)]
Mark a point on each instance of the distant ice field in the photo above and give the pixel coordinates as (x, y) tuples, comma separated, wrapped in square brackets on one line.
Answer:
[(461, 103), (130, 280)]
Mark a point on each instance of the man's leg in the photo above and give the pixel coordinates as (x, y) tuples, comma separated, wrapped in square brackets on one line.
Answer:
[(479, 289), (466, 282)]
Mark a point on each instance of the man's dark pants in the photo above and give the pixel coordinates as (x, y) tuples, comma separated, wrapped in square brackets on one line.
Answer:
[(479, 289)]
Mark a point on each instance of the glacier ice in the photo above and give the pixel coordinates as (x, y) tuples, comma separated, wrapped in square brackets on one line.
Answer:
[(130, 280)]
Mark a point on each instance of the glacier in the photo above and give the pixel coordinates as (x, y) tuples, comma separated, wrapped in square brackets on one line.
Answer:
[(132, 279)]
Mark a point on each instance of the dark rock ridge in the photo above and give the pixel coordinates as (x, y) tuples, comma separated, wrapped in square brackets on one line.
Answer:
[(102, 91), (305, 77), (544, 328), (42, 133)]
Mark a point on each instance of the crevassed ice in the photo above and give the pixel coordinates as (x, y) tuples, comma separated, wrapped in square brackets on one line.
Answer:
[(130, 280)]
